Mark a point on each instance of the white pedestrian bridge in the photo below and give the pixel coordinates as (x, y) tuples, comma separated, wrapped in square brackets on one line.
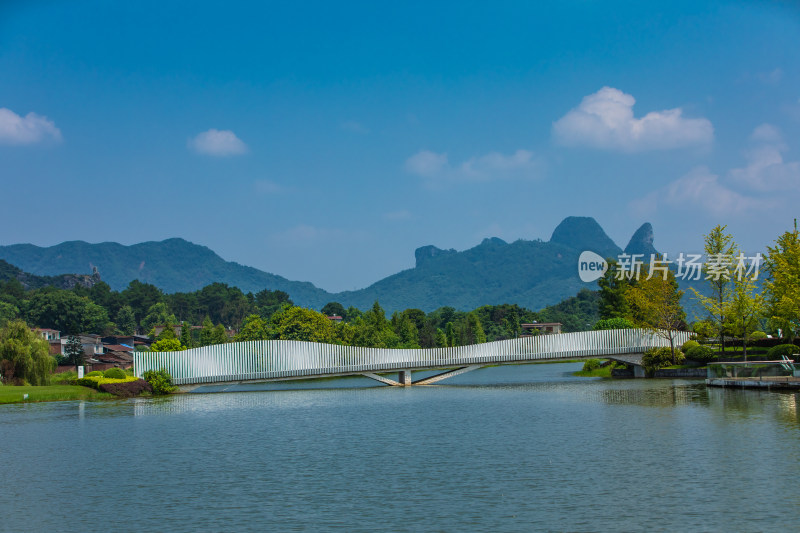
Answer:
[(275, 360)]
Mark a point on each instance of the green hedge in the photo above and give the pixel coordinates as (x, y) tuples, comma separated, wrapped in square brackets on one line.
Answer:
[(95, 381)]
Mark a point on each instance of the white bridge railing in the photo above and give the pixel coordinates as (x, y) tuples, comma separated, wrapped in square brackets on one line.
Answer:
[(265, 360)]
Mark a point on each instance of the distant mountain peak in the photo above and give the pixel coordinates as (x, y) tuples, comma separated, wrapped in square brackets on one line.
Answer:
[(584, 233), (493, 241), (642, 241), (426, 253)]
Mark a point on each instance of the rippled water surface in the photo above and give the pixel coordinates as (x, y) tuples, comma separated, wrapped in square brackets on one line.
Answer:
[(514, 448)]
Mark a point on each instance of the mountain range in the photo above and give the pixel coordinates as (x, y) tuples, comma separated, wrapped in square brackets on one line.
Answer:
[(533, 274)]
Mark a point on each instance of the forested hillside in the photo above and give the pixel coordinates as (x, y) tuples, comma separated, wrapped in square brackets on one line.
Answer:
[(529, 273)]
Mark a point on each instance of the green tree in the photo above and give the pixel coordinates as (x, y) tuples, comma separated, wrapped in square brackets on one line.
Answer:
[(333, 309), (186, 335), (219, 335), (167, 345), (352, 313), (23, 355), (613, 301), (158, 314), (66, 312), (141, 296), (211, 334), (470, 330), (782, 286), (301, 324), (167, 333), (270, 302), (452, 337), (720, 250), (656, 305), (8, 312), (207, 333), (73, 351), (374, 330), (406, 329), (126, 320), (744, 309), (441, 339), (255, 328)]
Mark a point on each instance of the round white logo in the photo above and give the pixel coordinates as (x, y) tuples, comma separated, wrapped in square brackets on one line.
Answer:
[(591, 266)]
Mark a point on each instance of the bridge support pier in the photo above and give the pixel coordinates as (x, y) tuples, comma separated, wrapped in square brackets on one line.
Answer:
[(404, 377), (448, 374)]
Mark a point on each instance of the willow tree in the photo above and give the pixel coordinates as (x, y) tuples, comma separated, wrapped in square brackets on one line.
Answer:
[(23, 355)]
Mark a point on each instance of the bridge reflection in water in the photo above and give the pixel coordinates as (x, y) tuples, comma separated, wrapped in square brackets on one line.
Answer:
[(280, 360)]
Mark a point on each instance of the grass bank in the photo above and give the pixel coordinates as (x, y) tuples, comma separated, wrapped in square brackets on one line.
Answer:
[(50, 393), (602, 372)]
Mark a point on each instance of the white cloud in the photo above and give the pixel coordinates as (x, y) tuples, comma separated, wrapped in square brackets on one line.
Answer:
[(487, 167), (766, 133), (699, 188), (30, 129), (218, 143), (427, 163), (702, 188), (605, 120), (766, 170)]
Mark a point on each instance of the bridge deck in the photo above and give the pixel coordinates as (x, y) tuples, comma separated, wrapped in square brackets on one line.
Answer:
[(278, 360)]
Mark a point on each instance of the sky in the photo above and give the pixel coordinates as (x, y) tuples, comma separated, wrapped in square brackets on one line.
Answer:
[(326, 141)]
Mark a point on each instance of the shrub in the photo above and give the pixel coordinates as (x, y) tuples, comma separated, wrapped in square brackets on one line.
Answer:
[(167, 345), (95, 381), (591, 364), (788, 350), (701, 354), (160, 380), (758, 335), (688, 345), (127, 388), (614, 323), (94, 373), (656, 358), (114, 373)]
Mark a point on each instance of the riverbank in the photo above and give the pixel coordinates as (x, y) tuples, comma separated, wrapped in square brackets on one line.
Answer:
[(49, 393)]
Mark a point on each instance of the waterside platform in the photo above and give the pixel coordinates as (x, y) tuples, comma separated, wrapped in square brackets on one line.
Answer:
[(765, 382)]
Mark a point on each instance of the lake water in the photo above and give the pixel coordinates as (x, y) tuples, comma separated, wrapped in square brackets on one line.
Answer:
[(514, 448)]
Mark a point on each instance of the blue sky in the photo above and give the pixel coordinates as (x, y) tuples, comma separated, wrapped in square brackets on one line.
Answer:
[(326, 141)]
